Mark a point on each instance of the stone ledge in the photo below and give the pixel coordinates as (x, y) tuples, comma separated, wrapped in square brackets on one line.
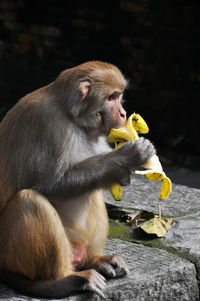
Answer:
[(154, 275)]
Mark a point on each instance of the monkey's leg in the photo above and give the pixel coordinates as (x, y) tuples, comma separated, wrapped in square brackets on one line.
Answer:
[(111, 266), (35, 255)]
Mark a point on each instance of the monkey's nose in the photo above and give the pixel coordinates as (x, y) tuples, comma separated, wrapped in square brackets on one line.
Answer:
[(122, 115)]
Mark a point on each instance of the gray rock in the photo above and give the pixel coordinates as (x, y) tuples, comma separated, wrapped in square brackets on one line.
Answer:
[(184, 237), (154, 275), (185, 234), (143, 194)]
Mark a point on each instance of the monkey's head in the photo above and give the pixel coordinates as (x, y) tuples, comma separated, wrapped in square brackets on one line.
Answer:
[(93, 96)]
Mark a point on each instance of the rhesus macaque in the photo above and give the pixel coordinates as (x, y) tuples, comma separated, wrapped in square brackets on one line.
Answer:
[(54, 164)]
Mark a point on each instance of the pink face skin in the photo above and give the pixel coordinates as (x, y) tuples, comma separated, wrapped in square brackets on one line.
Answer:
[(117, 112)]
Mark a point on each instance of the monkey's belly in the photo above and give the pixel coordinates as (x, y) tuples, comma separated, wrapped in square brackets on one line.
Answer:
[(86, 225), (73, 213)]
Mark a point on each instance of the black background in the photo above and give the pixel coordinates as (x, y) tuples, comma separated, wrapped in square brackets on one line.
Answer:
[(156, 44)]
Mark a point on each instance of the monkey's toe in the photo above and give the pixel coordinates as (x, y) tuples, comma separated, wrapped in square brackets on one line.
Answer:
[(96, 283), (119, 266), (106, 270)]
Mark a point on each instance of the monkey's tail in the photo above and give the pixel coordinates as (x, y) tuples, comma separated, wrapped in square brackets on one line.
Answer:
[(51, 289)]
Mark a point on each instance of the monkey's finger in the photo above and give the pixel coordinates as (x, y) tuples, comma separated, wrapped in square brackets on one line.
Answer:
[(126, 179), (148, 147)]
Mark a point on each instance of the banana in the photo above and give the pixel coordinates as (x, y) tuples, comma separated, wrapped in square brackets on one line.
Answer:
[(166, 188), (154, 171), (155, 175), (153, 163), (119, 135), (136, 125), (116, 191)]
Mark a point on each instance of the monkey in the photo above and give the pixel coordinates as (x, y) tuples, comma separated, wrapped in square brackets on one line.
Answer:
[(55, 163)]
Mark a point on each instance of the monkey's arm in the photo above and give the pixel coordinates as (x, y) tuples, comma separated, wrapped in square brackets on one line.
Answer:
[(98, 171)]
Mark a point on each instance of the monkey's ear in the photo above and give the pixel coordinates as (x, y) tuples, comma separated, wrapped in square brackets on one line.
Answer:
[(84, 89), (75, 101)]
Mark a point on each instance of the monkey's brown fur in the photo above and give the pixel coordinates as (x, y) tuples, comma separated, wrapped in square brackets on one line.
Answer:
[(54, 163)]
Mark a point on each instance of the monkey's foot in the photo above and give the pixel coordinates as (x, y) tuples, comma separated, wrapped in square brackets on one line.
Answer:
[(112, 266)]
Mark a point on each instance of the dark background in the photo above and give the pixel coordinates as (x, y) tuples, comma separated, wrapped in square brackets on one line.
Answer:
[(156, 44)]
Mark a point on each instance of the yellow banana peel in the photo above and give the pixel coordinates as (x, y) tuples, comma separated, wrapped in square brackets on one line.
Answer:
[(166, 188), (136, 125), (116, 191), (154, 175)]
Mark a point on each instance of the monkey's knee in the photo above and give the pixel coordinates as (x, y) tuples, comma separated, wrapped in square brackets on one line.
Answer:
[(33, 238)]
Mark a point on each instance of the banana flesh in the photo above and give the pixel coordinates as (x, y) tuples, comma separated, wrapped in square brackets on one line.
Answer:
[(153, 163), (154, 172), (134, 125), (119, 135)]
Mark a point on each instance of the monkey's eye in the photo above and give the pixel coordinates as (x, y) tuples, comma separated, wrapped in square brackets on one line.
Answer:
[(113, 96)]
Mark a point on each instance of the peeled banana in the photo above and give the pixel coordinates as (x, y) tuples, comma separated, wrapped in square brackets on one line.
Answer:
[(134, 125)]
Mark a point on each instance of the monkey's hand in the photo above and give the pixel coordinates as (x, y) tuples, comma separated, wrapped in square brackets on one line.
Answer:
[(111, 266), (136, 153)]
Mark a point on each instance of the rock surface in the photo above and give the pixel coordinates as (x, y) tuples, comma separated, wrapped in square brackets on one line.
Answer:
[(144, 194), (154, 274), (167, 269)]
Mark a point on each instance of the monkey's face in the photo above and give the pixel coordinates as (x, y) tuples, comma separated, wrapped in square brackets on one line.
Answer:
[(115, 109), (95, 97), (112, 113)]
